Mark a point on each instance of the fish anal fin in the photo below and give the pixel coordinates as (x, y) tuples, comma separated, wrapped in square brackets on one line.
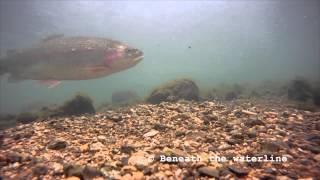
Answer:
[(50, 83), (15, 79), (53, 36)]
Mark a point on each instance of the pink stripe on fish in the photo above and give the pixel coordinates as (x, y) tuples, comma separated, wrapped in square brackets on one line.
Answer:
[(109, 58)]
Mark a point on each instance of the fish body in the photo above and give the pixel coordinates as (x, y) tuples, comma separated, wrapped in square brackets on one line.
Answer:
[(70, 58)]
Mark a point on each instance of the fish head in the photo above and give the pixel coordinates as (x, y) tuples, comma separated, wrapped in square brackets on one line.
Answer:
[(122, 57)]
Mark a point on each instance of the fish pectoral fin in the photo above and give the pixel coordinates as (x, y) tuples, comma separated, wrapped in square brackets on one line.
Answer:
[(14, 79), (50, 83), (52, 36)]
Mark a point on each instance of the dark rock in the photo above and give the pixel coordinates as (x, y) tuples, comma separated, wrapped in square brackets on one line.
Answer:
[(80, 104), (238, 113), (57, 145), (236, 134), (299, 90), (273, 146), (14, 157), (71, 170), (312, 148), (240, 172), (209, 171), (180, 133), (91, 172), (40, 170), (160, 127), (127, 149), (114, 117), (285, 114), (270, 171), (124, 161), (253, 122), (26, 117), (231, 95), (316, 97), (174, 91), (147, 171)]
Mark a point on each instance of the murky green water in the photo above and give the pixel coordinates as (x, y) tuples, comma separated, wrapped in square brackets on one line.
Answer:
[(210, 42)]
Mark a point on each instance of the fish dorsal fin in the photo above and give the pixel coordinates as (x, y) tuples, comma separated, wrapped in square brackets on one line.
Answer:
[(53, 36)]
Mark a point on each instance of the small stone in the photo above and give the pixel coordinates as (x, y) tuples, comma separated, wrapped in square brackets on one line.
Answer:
[(40, 170), (96, 146), (285, 114), (102, 138), (180, 133), (14, 157), (238, 171), (317, 157), (253, 122), (273, 146), (236, 134), (147, 171), (91, 172), (84, 148), (151, 133), (160, 127), (209, 171), (312, 148), (57, 144), (73, 178), (252, 133), (57, 168), (223, 147), (137, 175), (71, 170), (271, 171), (138, 159), (127, 149)]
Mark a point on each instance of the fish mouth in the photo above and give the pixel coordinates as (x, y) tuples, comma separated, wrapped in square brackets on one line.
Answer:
[(137, 59)]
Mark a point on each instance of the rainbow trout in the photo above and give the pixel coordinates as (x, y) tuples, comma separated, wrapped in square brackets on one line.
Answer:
[(58, 58)]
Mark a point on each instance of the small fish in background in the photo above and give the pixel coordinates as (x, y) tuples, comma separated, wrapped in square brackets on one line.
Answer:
[(57, 58)]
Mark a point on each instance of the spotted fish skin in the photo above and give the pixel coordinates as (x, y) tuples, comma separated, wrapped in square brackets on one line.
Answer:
[(70, 58)]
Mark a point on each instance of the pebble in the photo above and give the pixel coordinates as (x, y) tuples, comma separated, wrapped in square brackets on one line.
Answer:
[(317, 157), (138, 159), (238, 171), (225, 146), (151, 133), (98, 146), (57, 144), (209, 171), (127, 149), (253, 122), (40, 170)]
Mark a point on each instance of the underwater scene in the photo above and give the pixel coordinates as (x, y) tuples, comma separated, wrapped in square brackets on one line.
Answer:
[(156, 90)]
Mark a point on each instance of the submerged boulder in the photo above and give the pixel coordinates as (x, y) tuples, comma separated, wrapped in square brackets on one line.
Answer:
[(299, 90), (124, 97), (175, 90), (79, 104), (26, 117)]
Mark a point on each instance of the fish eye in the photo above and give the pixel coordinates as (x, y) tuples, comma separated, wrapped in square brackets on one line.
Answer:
[(130, 50)]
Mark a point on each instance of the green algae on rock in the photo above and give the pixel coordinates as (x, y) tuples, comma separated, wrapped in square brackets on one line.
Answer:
[(175, 90), (79, 104)]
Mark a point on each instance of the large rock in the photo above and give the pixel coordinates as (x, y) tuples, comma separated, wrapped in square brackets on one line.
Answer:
[(79, 104), (299, 90), (175, 90)]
